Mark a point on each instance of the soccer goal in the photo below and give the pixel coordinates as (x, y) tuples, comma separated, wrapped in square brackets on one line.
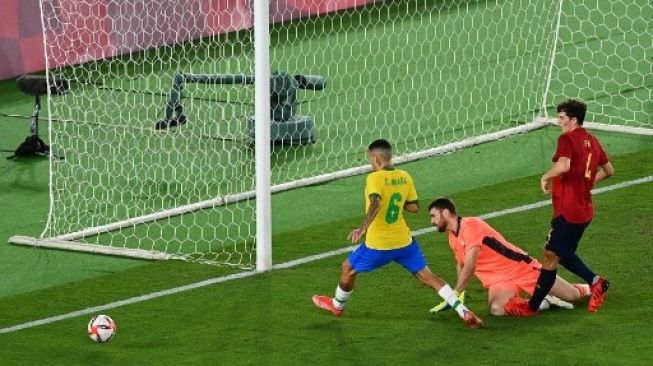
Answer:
[(158, 128)]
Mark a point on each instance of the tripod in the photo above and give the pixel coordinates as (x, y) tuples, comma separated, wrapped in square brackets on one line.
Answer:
[(37, 86)]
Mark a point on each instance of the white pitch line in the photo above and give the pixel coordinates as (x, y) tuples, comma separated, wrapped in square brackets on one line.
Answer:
[(545, 203), (293, 263)]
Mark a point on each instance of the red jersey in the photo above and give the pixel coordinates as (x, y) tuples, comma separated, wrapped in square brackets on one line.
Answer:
[(571, 194), (498, 259)]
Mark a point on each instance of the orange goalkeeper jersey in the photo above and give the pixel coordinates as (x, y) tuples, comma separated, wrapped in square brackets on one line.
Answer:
[(498, 259)]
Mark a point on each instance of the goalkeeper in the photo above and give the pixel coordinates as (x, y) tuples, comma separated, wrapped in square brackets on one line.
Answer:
[(502, 267)]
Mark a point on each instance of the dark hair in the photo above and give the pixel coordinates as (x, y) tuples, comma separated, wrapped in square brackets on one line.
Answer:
[(380, 144), (443, 203), (573, 108)]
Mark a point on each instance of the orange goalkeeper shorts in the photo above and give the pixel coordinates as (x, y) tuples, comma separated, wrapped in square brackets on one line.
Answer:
[(525, 282)]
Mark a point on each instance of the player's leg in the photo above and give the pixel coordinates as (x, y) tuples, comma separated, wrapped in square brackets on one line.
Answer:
[(527, 282), (556, 243), (411, 258), (556, 246), (498, 296), (599, 285), (362, 259), (571, 261), (545, 280), (345, 286), (576, 266), (501, 293), (559, 296), (568, 292), (430, 279), (347, 276), (336, 305), (450, 296)]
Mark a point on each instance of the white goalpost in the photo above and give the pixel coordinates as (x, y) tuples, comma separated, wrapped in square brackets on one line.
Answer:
[(183, 117), (262, 136)]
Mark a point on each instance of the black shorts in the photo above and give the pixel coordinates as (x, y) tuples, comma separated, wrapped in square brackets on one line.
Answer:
[(564, 237)]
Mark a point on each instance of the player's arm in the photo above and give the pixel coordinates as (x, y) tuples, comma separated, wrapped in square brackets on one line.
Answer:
[(412, 207), (561, 166), (605, 171), (412, 204), (375, 207), (561, 162), (467, 271)]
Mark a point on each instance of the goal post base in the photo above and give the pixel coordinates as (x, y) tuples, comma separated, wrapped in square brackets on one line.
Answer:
[(51, 243)]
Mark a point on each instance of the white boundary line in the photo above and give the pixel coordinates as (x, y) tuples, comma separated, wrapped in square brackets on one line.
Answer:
[(546, 202), (293, 263)]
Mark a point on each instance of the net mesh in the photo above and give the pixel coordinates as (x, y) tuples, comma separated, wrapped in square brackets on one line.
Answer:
[(418, 73)]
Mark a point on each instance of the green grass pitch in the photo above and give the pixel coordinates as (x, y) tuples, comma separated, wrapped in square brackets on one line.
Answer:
[(268, 319)]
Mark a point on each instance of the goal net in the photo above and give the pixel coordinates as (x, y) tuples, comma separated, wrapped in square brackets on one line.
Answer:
[(603, 57), (156, 129)]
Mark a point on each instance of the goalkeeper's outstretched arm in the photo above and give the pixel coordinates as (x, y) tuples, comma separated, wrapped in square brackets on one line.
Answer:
[(467, 271)]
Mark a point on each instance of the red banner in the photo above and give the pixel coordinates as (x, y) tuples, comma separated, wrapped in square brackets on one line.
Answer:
[(78, 31)]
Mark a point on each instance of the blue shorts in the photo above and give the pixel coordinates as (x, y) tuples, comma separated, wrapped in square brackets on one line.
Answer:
[(365, 259)]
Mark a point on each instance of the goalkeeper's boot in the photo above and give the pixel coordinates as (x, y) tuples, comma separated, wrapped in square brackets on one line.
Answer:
[(326, 303), (599, 288), (519, 307), (472, 320)]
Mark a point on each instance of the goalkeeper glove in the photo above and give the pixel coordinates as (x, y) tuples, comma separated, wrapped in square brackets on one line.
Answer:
[(443, 306)]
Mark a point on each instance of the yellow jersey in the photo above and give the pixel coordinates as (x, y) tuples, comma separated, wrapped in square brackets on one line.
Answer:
[(388, 229)]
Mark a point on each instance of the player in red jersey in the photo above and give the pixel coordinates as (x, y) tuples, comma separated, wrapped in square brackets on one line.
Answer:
[(579, 162)]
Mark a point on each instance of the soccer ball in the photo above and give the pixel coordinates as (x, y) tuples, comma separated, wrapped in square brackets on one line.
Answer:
[(101, 328)]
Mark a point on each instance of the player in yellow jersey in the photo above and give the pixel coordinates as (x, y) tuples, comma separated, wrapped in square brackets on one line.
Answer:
[(388, 192)]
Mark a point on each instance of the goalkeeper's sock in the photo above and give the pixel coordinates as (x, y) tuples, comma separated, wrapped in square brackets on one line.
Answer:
[(341, 298), (451, 297), (583, 289)]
